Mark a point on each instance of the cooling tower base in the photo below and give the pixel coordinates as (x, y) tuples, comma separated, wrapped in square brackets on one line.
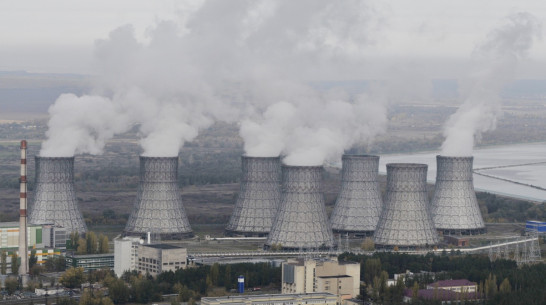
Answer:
[(462, 231), (403, 247), (290, 249), (163, 236), (230, 233), (353, 234)]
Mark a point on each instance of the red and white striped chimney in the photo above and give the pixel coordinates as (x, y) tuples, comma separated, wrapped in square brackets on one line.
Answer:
[(23, 242)]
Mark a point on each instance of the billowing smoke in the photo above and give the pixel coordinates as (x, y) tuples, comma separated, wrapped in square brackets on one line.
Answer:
[(495, 62), (246, 61)]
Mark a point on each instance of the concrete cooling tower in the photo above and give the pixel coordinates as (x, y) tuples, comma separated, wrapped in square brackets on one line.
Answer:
[(301, 221), (358, 204), (405, 221), (54, 197), (455, 208), (158, 206), (259, 197)]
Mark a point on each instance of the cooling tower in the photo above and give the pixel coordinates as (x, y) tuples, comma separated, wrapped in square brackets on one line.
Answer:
[(454, 206), (54, 197), (259, 197), (405, 221), (358, 204), (301, 221), (158, 206)]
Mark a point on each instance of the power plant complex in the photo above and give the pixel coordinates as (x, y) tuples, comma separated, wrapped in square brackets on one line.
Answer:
[(284, 204)]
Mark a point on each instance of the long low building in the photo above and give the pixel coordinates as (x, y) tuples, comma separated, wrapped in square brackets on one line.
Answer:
[(274, 299)]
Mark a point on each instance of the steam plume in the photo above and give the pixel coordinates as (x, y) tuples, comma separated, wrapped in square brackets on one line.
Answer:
[(496, 60), (246, 61)]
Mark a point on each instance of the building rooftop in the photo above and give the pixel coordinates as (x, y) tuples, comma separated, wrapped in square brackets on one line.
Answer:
[(236, 299), (333, 276), (452, 283), (162, 246), (89, 255), (443, 294)]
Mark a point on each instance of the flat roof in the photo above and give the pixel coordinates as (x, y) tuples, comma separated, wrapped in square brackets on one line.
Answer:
[(240, 298), (333, 276), (162, 246)]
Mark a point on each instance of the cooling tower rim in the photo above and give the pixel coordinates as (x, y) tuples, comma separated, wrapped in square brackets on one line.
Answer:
[(247, 157), (462, 158), (157, 158), (53, 158), (302, 166), (359, 157), (407, 165)]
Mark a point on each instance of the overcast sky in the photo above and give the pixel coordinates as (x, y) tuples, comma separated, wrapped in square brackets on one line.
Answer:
[(437, 36)]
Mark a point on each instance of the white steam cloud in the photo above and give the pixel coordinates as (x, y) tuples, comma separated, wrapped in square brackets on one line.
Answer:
[(235, 61), (496, 60)]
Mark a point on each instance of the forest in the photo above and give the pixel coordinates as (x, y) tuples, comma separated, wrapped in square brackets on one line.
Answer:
[(500, 281)]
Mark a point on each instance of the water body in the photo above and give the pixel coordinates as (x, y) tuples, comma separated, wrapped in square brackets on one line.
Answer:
[(517, 171)]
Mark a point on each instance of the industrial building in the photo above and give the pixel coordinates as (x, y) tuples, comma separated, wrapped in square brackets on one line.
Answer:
[(534, 226), (455, 209), (358, 205), (405, 221), (301, 222), (157, 258), (259, 197), (54, 198), (38, 236), (125, 254), (90, 262), (321, 275), (158, 206), (266, 299)]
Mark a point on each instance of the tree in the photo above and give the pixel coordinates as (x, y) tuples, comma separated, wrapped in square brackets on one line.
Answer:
[(103, 244), (82, 247), (32, 260), (227, 278), (36, 270), (94, 298), (372, 268), (15, 263), (505, 287), (92, 242), (490, 286), (11, 284), (368, 244), (214, 272), (72, 277), (67, 301), (118, 291), (4, 263), (74, 240), (414, 292)]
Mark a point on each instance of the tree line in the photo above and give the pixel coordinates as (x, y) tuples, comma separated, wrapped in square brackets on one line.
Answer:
[(500, 281)]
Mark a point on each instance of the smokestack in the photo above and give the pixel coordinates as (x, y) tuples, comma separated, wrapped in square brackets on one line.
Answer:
[(55, 200), (23, 242), (301, 221), (158, 206), (259, 197), (455, 208), (358, 204), (405, 221)]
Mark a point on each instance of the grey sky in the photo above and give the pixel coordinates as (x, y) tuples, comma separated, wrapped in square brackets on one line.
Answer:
[(434, 36)]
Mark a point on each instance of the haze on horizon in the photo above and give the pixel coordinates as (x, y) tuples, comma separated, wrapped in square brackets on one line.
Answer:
[(432, 38)]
